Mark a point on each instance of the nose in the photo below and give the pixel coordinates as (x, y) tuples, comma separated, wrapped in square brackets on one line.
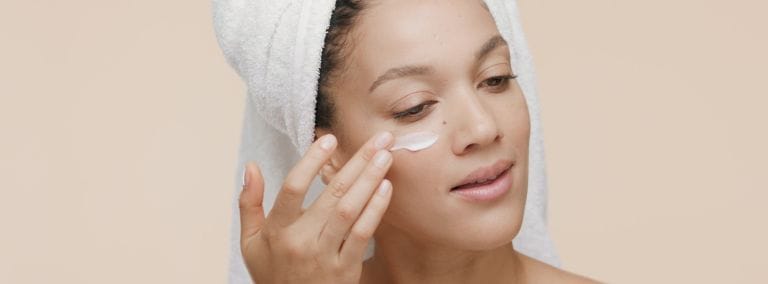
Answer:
[(477, 126)]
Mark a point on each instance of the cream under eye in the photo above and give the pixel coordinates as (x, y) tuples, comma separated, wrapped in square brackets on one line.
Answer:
[(415, 141)]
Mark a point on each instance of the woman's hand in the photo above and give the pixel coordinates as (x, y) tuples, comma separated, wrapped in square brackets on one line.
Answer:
[(326, 242)]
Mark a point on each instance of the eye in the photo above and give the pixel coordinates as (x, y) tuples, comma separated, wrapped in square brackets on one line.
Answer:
[(414, 111), (498, 81)]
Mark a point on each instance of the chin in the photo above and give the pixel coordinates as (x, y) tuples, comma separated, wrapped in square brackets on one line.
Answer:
[(479, 231), (491, 236)]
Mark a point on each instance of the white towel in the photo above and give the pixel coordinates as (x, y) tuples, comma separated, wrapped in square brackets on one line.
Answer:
[(275, 47)]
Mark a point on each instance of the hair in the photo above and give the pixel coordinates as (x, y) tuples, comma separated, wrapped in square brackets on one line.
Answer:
[(336, 46)]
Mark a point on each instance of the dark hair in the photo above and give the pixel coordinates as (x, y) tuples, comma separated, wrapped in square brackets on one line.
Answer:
[(335, 47)]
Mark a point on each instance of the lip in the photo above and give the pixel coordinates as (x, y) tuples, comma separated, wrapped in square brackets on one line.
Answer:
[(487, 192), (485, 172)]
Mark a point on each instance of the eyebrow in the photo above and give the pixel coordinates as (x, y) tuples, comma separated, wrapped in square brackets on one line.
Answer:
[(493, 43), (415, 70)]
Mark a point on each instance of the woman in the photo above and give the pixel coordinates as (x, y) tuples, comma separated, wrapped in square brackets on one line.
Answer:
[(443, 214)]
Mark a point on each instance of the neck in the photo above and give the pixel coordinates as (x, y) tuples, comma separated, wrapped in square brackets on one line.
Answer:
[(402, 260)]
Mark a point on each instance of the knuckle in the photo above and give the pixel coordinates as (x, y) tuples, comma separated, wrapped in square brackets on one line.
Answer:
[(338, 188), (294, 251), (281, 203), (368, 153), (339, 269), (345, 212), (374, 171), (242, 203), (293, 248), (360, 235), (292, 187)]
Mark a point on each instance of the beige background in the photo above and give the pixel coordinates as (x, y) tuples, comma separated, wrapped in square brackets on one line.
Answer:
[(120, 124)]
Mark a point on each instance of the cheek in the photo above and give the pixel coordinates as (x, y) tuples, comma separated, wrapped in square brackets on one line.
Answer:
[(517, 123), (514, 119), (419, 188), (414, 172)]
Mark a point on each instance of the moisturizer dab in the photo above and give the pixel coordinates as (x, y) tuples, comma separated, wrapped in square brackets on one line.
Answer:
[(415, 141)]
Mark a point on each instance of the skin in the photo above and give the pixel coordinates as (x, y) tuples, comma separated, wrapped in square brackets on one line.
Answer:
[(424, 233)]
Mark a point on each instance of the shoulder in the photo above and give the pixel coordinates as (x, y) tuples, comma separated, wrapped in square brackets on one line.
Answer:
[(540, 272)]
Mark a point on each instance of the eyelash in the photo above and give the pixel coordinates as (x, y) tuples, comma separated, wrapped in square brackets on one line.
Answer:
[(409, 112), (504, 80), (415, 111)]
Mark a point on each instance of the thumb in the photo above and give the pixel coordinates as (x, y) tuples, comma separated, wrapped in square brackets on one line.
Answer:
[(251, 199)]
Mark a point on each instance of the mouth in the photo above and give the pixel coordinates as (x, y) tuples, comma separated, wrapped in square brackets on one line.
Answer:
[(486, 184), (484, 176)]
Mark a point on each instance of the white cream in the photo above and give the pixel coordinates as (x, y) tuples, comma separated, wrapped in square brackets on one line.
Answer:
[(415, 141)]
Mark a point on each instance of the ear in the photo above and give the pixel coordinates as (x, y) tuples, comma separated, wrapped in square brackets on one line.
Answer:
[(332, 167)]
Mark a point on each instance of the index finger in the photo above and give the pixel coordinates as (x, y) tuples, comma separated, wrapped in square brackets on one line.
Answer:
[(288, 203)]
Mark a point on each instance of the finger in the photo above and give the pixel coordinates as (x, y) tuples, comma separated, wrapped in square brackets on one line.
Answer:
[(339, 185), (251, 202), (288, 204), (348, 209), (353, 248)]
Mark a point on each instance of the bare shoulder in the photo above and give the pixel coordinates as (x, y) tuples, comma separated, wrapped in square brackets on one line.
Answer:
[(540, 272)]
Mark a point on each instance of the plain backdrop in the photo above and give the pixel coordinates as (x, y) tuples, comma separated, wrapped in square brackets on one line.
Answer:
[(119, 124)]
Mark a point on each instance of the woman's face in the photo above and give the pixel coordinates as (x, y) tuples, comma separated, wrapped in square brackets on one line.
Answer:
[(448, 59)]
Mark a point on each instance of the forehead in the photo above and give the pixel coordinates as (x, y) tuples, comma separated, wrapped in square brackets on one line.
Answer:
[(397, 32)]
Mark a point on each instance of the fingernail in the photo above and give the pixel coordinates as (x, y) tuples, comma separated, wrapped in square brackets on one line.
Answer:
[(327, 141), (381, 158), (383, 140), (384, 187)]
